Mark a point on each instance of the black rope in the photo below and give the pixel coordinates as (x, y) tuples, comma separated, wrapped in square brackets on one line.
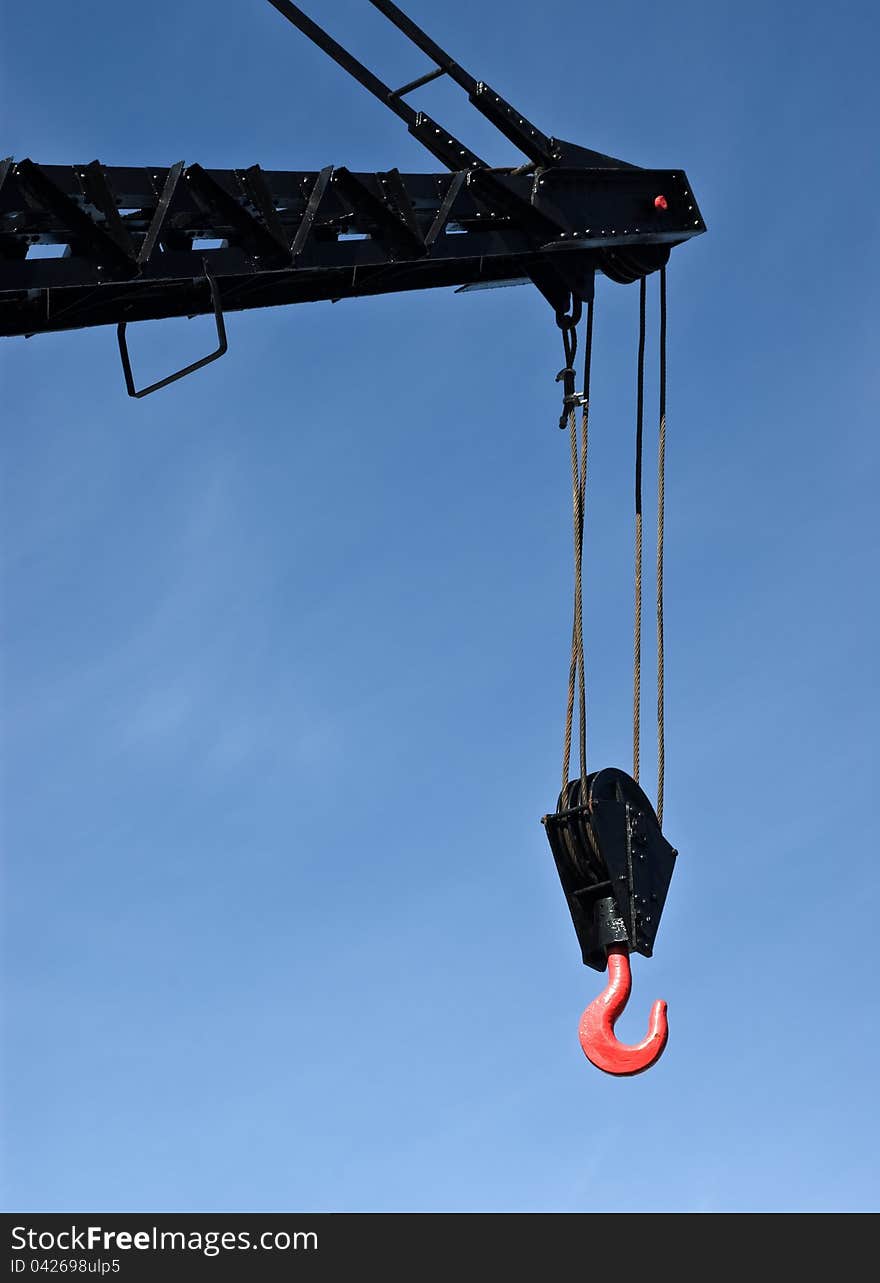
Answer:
[(661, 507), (637, 626), (661, 513)]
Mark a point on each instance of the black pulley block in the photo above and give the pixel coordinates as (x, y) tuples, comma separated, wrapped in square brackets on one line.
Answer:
[(614, 863), (626, 264)]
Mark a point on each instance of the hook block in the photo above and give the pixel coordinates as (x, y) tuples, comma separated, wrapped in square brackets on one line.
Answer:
[(614, 864)]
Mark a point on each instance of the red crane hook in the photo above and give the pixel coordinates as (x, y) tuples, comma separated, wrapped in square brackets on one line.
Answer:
[(596, 1030)]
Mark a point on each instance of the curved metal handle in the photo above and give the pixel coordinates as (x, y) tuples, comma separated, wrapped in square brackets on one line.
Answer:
[(196, 365), (596, 1031)]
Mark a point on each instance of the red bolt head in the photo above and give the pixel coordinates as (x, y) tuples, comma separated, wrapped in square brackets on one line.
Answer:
[(660, 202)]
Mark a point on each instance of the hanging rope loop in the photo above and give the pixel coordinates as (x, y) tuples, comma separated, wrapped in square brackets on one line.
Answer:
[(661, 504), (571, 320), (571, 401), (661, 513), (637, 610)]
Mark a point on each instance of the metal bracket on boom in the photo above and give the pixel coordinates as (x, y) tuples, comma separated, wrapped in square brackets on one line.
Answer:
[(189, 369)]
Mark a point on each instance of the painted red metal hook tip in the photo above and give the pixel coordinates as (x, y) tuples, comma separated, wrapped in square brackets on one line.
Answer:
[(596, 1030)]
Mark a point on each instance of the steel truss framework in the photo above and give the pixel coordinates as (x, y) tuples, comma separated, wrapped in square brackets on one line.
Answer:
[(138, 243)]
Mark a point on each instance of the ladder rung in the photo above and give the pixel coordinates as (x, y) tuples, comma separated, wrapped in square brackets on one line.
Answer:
[(417, 84)]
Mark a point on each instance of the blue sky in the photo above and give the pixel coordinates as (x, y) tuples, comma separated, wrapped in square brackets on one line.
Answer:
[(286, 651)]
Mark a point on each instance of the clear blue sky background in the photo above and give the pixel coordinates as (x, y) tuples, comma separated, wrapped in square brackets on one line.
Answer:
[(286, 651)]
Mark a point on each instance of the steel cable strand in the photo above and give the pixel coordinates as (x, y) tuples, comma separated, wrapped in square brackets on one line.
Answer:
[(569, 343), (576, 675), (582, 486), (637, 611), (661, 517)]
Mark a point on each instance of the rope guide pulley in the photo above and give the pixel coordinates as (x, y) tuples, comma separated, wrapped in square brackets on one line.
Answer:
[(134, 249)]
